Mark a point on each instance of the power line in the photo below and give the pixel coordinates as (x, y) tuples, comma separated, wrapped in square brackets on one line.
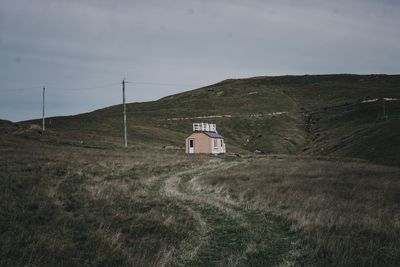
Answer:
[(62, 89), (87, 88), (164, 84), (21, 89), (95, 87)]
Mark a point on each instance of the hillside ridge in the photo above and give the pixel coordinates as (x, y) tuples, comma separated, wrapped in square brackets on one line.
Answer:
[(330, 115)]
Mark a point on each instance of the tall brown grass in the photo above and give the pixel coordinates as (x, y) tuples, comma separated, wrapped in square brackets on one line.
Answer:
[(348, 212), (62, 205)]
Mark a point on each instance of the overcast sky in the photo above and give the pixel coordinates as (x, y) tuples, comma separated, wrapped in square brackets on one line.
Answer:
[(81, 50)]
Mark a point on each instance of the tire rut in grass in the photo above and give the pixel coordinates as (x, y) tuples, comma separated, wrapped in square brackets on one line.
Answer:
[(235, 236), (227, 238)]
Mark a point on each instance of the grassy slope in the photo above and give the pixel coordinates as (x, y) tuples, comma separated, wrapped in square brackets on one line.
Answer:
[(151, 122), (342, 126), (72, 196), (325, 117), (345, 210), (74, 206)]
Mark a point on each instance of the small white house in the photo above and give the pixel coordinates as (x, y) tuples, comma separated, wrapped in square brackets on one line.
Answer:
[(205, 139)]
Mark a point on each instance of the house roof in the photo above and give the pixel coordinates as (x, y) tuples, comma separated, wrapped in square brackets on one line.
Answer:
[(209, 134), (213, 134)]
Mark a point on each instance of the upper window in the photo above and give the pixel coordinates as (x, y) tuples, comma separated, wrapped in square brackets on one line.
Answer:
[(215, 142)]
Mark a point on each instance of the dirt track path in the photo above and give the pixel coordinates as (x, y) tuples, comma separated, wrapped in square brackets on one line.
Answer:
[(230, 234)]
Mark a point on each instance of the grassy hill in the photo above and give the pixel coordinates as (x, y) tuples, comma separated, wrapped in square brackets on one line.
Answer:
[(317, 115), (321, 195), (341, 120)]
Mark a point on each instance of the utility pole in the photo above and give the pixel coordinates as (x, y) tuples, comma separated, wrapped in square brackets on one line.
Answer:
[(384, 109), (43, 120), (123, 100)]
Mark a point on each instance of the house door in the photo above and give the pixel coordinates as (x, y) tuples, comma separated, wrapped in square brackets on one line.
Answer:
[(191, 146)]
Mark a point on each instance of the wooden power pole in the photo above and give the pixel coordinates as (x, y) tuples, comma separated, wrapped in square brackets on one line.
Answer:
[(125, 127), (43, 119), (384, 109)]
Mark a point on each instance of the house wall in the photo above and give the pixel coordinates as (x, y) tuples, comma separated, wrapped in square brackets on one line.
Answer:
[(202, 143), (218, 149)]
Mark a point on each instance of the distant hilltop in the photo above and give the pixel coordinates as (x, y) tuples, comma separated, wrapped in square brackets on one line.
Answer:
[(341, 115)]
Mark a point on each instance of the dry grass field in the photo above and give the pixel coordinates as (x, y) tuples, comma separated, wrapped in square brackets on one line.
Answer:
[(67, 205), (323, 189), (348, 212)]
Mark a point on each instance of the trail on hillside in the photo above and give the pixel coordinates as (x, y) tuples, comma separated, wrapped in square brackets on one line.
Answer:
[(230, 234), (271, 114)]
